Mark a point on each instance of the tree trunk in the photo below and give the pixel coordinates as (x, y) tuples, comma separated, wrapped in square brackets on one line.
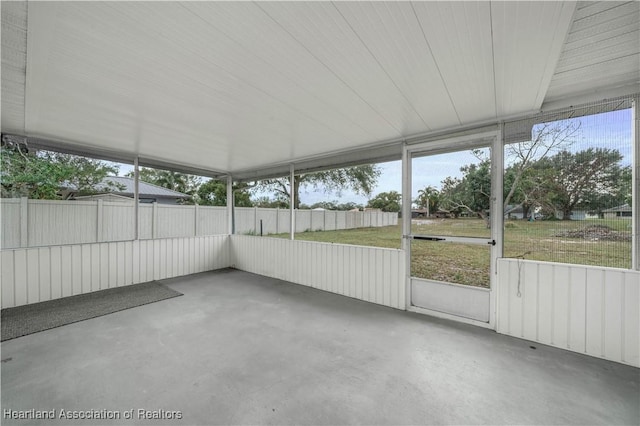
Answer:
[(525, 211), (484, 217), (566, 214), (296, 191)]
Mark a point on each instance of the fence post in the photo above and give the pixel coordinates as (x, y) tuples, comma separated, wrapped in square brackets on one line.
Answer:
[(195, 223), (277, 220), (154, 220), (100, 218), (24, 222)]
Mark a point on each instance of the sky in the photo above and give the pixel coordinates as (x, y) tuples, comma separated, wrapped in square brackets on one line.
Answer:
[(612, 130)]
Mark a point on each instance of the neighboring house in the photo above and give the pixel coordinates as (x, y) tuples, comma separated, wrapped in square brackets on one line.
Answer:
[(514, 212), (575, 214), (442, 214), (418, 213), (120, 188), (623, 211)]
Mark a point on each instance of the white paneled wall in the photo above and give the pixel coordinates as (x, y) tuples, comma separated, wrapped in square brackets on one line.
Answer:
[(367, 273), (39, 274), (591, 310)]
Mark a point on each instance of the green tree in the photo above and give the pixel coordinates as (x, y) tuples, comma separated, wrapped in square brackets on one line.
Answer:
[(360, 179), (386, 201), (547, 138), (334, 205), (428, 197), (350, 205), (471, 193), (42, 174), (626, 187), (214, 193), (271, 203), (583, 179)]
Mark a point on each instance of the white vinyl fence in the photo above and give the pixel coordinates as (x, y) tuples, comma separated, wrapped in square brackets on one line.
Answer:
[(36, 223), (251, 220)]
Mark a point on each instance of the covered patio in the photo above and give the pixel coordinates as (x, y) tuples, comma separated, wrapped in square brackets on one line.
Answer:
[(282, 331)]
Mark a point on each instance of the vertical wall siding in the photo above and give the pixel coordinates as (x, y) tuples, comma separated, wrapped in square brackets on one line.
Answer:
[(591, 310), (45, 273), (367, 273)]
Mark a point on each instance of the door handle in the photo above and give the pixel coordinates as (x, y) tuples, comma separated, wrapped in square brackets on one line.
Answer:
[(429, 238)]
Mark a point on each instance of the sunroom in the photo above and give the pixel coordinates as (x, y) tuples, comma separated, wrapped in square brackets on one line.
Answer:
[(539, 322)]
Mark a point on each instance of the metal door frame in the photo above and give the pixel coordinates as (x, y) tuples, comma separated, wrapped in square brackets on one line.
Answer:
[(492, 139)]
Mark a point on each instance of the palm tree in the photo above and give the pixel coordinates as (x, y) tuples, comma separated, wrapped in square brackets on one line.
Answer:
[(429, 198)]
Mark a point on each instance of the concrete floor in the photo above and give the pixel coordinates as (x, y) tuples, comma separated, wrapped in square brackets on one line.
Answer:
[(238, 348)]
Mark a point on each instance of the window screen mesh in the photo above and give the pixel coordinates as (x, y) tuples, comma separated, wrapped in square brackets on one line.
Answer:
[(567, 187)]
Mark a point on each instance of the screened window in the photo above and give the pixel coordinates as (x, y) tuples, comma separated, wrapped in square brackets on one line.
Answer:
[(568, 192)]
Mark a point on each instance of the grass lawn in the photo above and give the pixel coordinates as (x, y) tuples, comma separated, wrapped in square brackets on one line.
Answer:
[(553, 241)]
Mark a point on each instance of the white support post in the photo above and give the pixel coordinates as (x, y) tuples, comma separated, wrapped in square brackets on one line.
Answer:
[(406, 220), (136, 197), (496, 212), (292, 227), (230, 211), (635, 184), (24, 222), (277, 220)]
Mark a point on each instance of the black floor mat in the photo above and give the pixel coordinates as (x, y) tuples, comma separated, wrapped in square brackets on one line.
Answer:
[(28, 319)]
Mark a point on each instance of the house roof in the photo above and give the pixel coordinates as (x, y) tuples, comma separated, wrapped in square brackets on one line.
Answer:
[(250, 88), (125, 186), (622, 208), (122, 185)]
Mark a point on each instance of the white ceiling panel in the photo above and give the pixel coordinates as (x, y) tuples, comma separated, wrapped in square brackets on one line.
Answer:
[(14, 53), (289, 62), (245, 87), (459, 38), (324, 32), (393, 36), (601, 54), (202, 91), (527, 38)]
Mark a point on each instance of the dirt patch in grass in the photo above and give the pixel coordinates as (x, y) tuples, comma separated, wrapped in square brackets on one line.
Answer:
[(596, 233)]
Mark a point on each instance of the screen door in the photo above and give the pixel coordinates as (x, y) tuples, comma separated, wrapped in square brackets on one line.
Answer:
[(452, 244)]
